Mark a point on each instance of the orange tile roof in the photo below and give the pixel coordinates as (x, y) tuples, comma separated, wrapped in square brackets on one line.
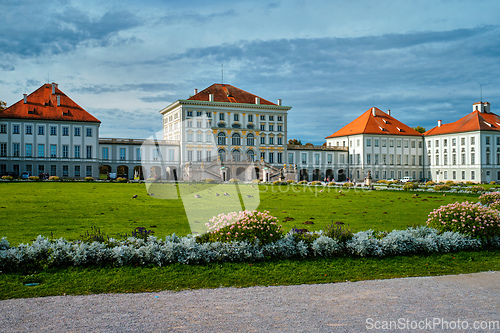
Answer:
[(381, 124), (229, 94), (42, 105), (474, 121)]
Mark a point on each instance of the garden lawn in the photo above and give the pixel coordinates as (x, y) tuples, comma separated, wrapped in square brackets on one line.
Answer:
[(69, 209)]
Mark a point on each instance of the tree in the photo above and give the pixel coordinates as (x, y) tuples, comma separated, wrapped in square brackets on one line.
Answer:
[(3, 105), (419, 129), (294, 142)]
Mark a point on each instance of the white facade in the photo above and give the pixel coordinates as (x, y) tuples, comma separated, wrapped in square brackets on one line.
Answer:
[(318, 162)]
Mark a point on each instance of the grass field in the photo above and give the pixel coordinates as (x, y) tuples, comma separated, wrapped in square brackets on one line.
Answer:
[(68, 210)]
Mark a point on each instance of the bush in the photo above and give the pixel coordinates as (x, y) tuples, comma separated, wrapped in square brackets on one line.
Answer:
[(7, 178), (348, 185), (495, 205), (476, 189), (278, 182), (34, 178), (119, 180), (234, 180), (209, 181), (245, 226), (316, 182), (441, 188), (466, 218), (450, 183), (410, 186), (382, 181), (303, 235), (429, 183), (493, 182), (54, 178), (488, 198), (142, 233), (88, 179), (94, 235), (255, 181), (469, 182), (303, 182), (290, 181), (336, 231), (332, 184)]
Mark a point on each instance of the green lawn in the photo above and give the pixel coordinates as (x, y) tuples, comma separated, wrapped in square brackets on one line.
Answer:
[(69, 209)]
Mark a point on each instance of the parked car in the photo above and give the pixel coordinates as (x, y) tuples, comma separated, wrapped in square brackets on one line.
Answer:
[(406, 179)]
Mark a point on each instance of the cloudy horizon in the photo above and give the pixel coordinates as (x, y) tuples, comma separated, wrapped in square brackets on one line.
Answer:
[(330, 60)]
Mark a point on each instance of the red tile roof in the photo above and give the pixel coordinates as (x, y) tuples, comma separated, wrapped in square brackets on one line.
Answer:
[(474, 121), (381, 124), (42, 105), (229, 94)]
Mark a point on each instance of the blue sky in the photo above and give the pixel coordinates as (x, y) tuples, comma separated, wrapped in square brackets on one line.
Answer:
[(123, 61)]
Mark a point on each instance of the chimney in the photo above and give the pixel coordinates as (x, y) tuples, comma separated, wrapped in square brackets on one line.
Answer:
[(440, 122), (374, 111), (195, 91), (279, 101), (54, 86), (211, 97), (389, 112), (25, 98), (58, 100), (257, 100)]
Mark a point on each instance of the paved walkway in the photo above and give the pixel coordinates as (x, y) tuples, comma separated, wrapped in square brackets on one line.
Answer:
[(433, 303)]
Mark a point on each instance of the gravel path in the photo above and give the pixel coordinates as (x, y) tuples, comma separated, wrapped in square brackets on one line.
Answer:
[(337, 307)]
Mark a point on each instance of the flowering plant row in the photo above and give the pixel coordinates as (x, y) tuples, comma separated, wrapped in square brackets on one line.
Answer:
[(44, 252)]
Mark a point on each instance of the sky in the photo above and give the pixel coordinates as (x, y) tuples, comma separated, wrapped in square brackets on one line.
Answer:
[(123, 61)]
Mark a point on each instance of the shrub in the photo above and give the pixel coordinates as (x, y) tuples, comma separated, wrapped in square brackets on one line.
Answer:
[(245, 226), (209, 181), (303, 235), (142, 233), (234, 180), (255, 181), (466, 218), (469, 182), (290, 181), (119, 180), (316, 182), (151, 179), (7, 178), (429, 183), (477, 189), (34, 178), (303, 182), (88, 179), (487, 198), (382, 181), (54, 178), (441, 188), (495, 205), (410, 186), (336, 231), (332, 184), (450, 183), (392, 182), (94, 235), (493, 182), (278, 182), (348, 185)]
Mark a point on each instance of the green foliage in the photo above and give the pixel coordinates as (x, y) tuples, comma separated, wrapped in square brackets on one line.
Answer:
[(209, 181), (429, 183), (419, 129), (3, 105), (339, 232), (476, 189), (94, 235), (278, 182), (450, 183), (348, 185), (295, 142), (54, 178), (493, 182), (7, 178), (303, 182), (88, 179), (304, 235), (382, 181), (467, 218), (316, 182), (234, 180), (441, 187), (409, 186), (34, 178), (118, 180), (488, 198)]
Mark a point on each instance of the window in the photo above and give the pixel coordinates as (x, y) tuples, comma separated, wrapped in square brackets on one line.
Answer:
[(29, 129), (399, 159), (271, 140), (406, 143), (209, 114), (250, 118), (105, 153), (171, 153), (487, 140), (198, 124), (208, 137), (221, 116), (53, 130), (236, 117), (280, 128), (190, 137), (89, 151), (437, 159), (280, 140), (156, 154), (221, 139), (190, 155), (271, 155), (77, 171), (368, 158), (454, 159), (454, 143), (472, 175), (77, 151), (65, 131), (412, 143), (420, 144), (88, 171), (488, 158), (236, 140), (304, 158), (472, 158), (472, 140), (263, 118), (376, 159), (290, 158), (198, 155), (250, 139), (53, 150), (357, 142), (41, 150), (53, 170), (437, 143), (29, 150), (392, 160), (198, 113), (77, 131), (199, 137), (280, 158), (15, 129), (89, 132), (445, 162), (398, 143), (65, 151), (376, 142), (413, 160), (384, 160), (271, 127), (208, 124), (190, 113), (384, 143), (391, 144), (3, 149), (462, 142), (15, 149), (316, 158), (41, 130), (263, 140), (41, 168), (3, 128), (65, 170), (445, 143), (262, 127), (123, 154), (209, 156), (189, 123), (271, 118), (420, 160), (342, 159), (368, 142)]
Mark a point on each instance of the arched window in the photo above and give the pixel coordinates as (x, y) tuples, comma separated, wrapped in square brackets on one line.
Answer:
[(236, 155), (236, 140), (250, 155), (221, 139), (250, 140), (222, 155)]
